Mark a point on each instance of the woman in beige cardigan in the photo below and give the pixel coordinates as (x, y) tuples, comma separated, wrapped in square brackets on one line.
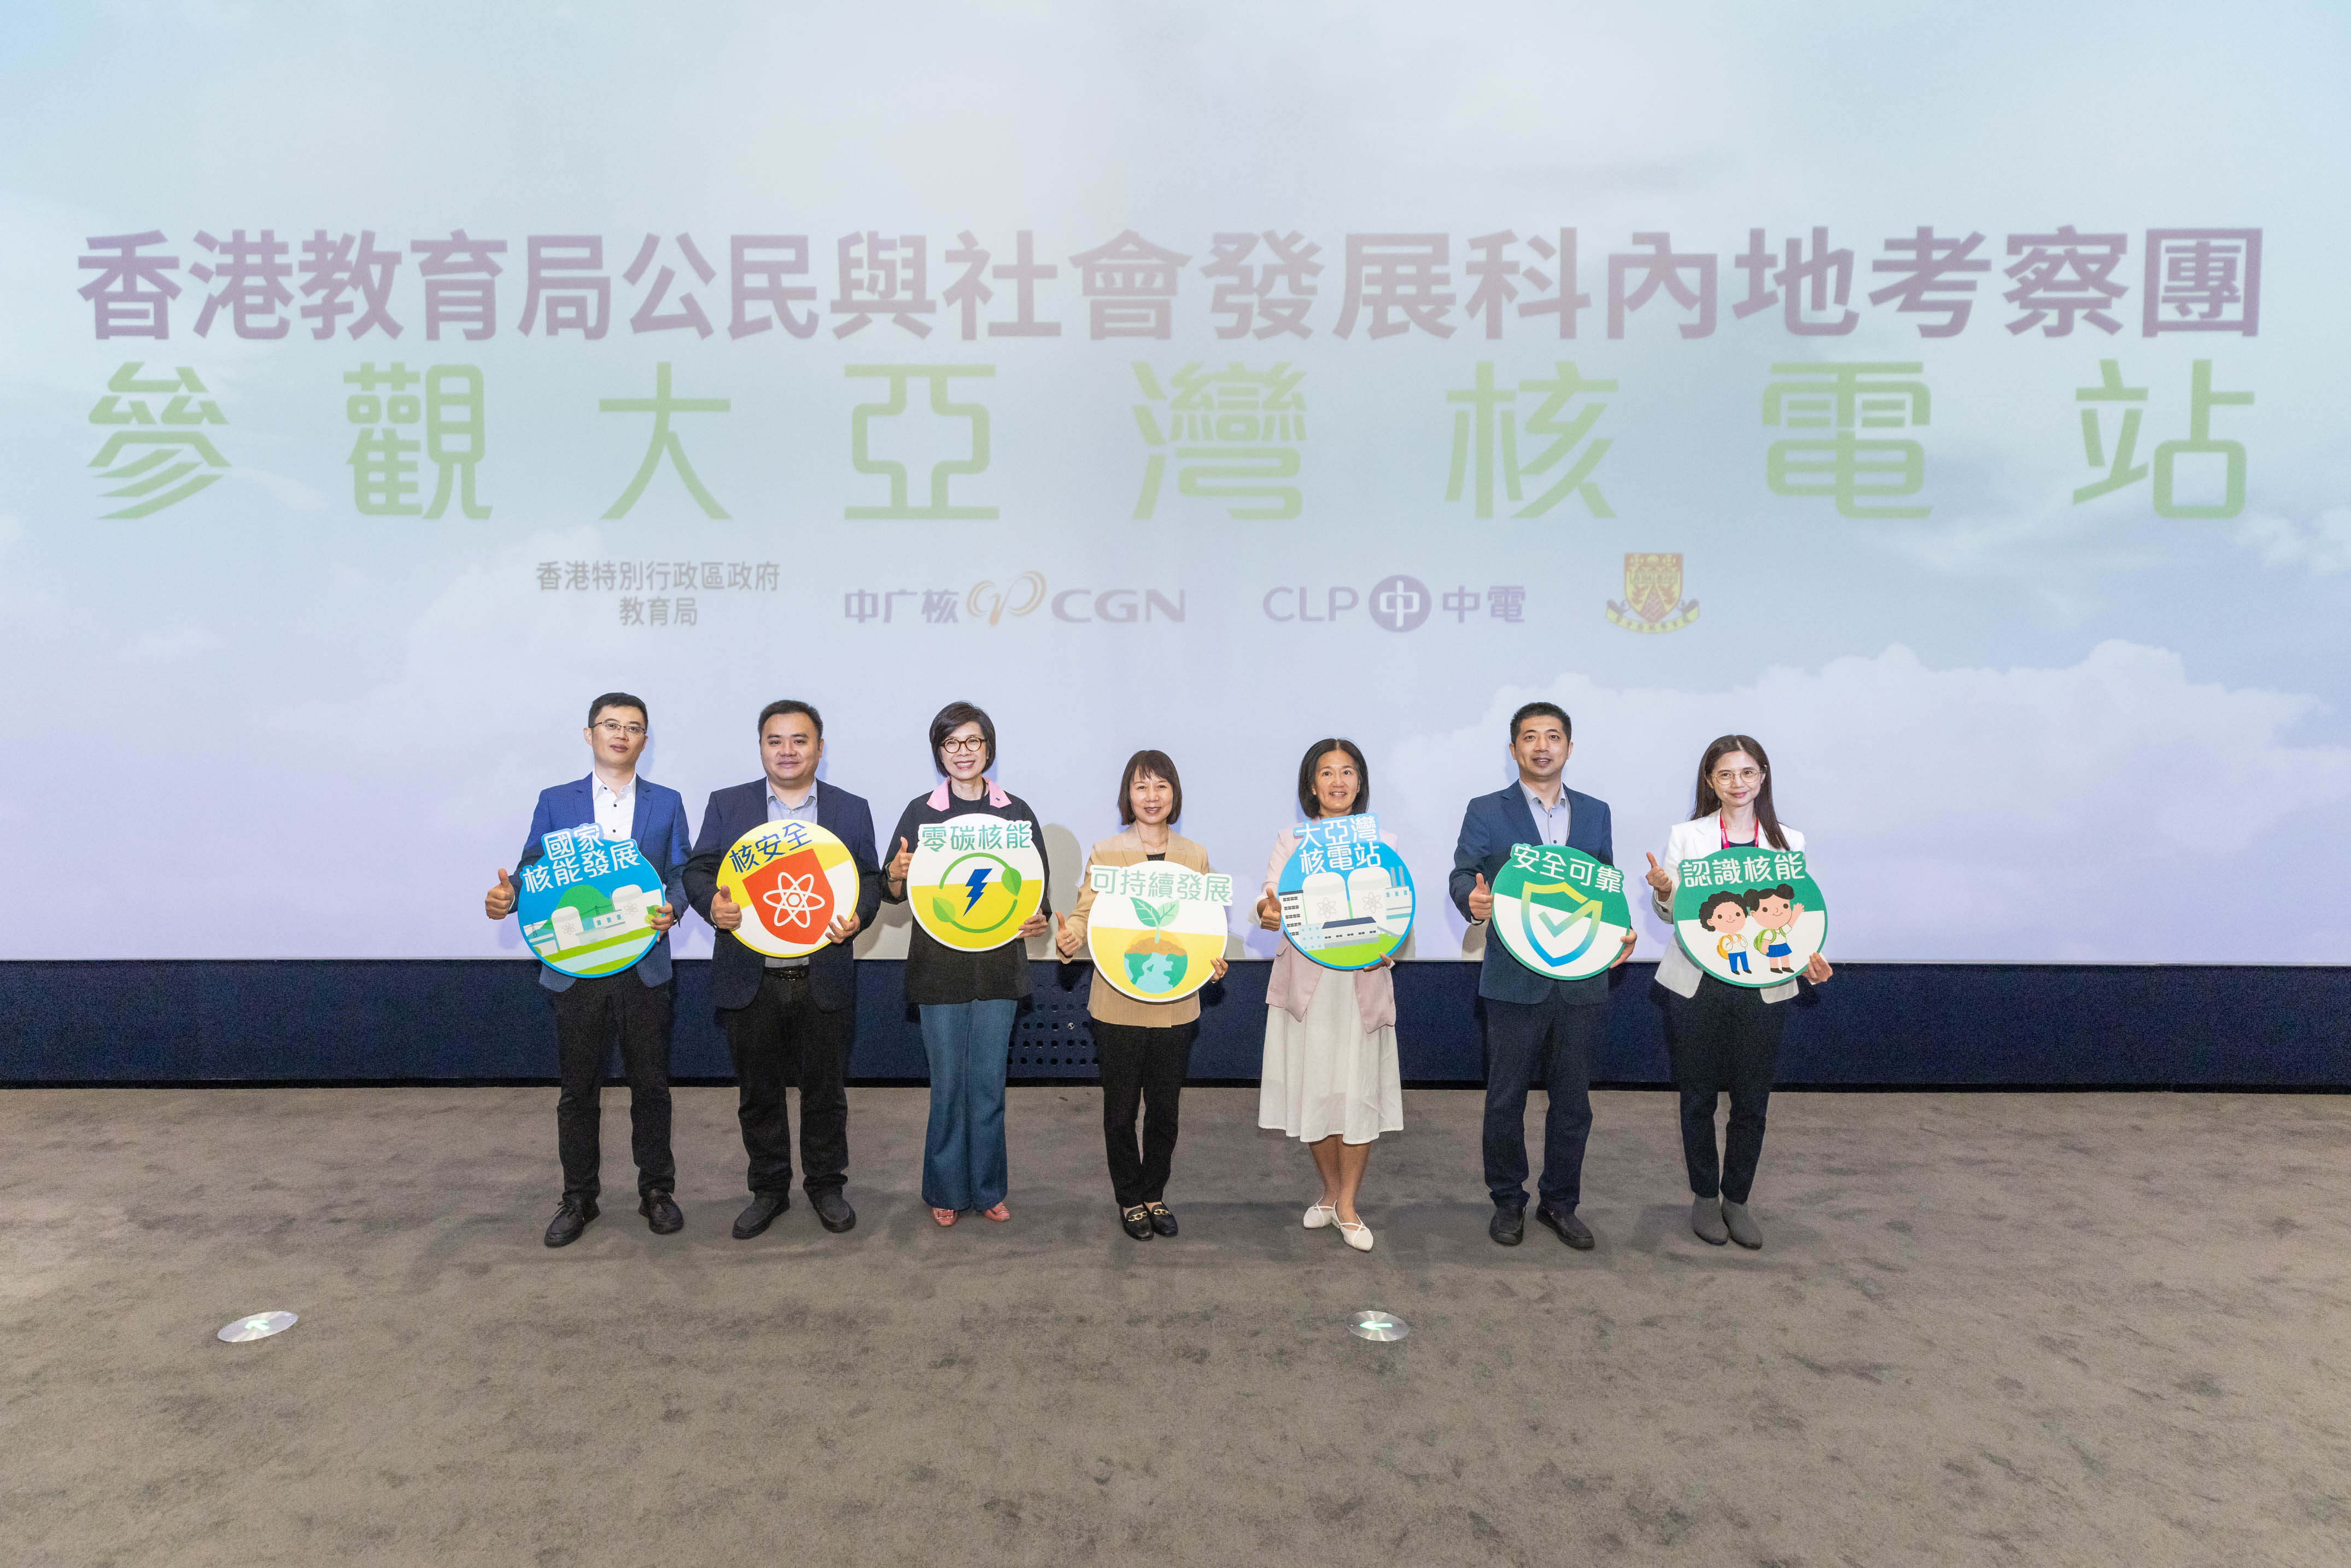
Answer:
[(1143, 1049)]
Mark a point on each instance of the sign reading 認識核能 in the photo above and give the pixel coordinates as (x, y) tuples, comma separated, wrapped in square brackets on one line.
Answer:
[(1559, 912), (791, 880), (1750, 916), (587, 908), (1346, 898), (1155, 931), (974, 880)]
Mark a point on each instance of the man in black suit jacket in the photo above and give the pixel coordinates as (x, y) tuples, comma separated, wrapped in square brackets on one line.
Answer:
[(788, 1019)]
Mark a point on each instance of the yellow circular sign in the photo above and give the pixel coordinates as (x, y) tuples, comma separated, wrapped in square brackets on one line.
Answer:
[(791, 880), (974, 880)]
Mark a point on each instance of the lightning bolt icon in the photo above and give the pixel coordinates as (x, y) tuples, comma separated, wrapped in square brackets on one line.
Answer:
[(974, 885)]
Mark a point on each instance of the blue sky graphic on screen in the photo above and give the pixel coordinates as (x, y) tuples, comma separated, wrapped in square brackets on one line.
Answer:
[(1988, 473)]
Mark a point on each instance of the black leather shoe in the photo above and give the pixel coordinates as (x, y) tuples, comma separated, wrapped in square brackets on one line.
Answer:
[(832, 1211), (1162, 1219), (1508, 1227), (569, 1221), (1137, 1221), (760, 1213), (660, 1214), (1572, 1231)]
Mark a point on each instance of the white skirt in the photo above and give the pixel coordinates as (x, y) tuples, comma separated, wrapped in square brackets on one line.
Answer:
[(1325, 1075)]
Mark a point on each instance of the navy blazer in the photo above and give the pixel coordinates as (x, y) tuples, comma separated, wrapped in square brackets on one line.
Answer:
[(658, 825), (1493, 824), (735, 968)]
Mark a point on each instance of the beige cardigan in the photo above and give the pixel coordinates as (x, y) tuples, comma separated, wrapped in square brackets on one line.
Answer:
[(1104, 1000)]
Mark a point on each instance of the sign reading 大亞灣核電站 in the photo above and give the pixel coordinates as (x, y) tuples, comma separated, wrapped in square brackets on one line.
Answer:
[(1750, 916), (1346, 898), (587, 907)]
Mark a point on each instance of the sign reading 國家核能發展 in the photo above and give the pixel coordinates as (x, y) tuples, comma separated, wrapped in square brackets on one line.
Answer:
[(1750, 916), (791, 879), (587, 908), (974, 880), (1346, 898), (1559, 912), (1155, 931)]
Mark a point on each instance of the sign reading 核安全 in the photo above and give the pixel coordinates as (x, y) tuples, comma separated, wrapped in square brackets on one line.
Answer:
[(1750, 916), (587, 907), (1346, 898), (792, 878)]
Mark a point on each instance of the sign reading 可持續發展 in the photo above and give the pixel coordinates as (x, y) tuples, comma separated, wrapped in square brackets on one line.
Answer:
[(587, 908), (1559, 912), (1750, 916), (791, 880), (1155, 931), (1346, 898), (974, 880)]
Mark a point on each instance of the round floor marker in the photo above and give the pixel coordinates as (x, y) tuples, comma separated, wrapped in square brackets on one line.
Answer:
[(260, 1325), (1381, 1326)]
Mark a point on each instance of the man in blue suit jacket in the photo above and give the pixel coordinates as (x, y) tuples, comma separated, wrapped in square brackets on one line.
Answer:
[(1533, 1020), (637, 1003), (788, 1019)]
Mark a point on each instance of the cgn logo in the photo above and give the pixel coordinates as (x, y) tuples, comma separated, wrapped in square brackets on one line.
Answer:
[(992, 603)]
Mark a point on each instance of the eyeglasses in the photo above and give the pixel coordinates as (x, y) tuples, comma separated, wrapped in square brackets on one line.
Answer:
[(632, 730), (966, 743), (1726, 777)]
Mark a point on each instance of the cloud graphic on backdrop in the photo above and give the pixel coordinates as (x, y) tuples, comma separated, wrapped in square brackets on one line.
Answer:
[(2113, 809)]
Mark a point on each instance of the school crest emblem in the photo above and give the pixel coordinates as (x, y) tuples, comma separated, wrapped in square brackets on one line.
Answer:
[(1653, 595)]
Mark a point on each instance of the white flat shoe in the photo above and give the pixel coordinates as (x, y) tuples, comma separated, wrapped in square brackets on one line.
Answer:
[(1357, 1236), (1321, 1215)]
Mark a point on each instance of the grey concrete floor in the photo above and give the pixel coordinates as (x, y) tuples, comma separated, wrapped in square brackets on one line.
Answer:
[(1987, 1329)]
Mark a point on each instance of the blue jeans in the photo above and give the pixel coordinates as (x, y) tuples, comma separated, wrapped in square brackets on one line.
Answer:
[(969, 1044)]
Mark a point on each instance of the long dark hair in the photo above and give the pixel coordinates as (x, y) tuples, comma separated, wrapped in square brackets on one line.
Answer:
[(1314, 754), (1707, 802), (1148, 765)]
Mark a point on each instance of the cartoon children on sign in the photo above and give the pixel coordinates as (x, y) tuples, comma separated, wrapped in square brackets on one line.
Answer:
[(1749, 918)]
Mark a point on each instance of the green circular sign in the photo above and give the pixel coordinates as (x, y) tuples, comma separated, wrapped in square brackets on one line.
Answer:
[(1559, 912), (1750, 916)]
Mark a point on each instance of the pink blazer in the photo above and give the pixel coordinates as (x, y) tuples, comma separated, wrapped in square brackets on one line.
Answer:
[(1291, 985)]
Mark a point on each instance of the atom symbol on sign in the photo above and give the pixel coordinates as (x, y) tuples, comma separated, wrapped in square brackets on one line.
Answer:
[(794, 900)]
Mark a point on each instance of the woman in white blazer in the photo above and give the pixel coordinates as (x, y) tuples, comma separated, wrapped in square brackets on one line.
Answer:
[(1723, 1037)]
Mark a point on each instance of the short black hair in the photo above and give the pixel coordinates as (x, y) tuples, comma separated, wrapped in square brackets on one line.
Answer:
[(1148, 765), (953, 717), (620, 699), (790, 704), (1314, 754), (1542, 710)]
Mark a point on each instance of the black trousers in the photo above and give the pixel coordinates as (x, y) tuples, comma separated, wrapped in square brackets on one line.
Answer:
[(1724, 1037), (1139, 1066), (588, 1014), (782, 1039), (1555, 1037)]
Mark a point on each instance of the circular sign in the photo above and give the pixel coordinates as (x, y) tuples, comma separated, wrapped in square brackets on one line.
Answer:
[(1384, 1327), (1747, 916), (260, 1325), (791, 879), (587, 908), (1155, 931), (974, 880), (1346, 898), (1559, 912)]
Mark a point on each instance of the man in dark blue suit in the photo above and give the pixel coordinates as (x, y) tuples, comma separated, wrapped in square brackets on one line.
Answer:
[(1533, 1021), (788, 1019), (638, 1003)]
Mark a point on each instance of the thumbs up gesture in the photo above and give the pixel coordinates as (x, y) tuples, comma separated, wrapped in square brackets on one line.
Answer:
[(1481, 900), (899, 863), (500, 901), (725, 914), (1066, 937), (1660, 878)]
